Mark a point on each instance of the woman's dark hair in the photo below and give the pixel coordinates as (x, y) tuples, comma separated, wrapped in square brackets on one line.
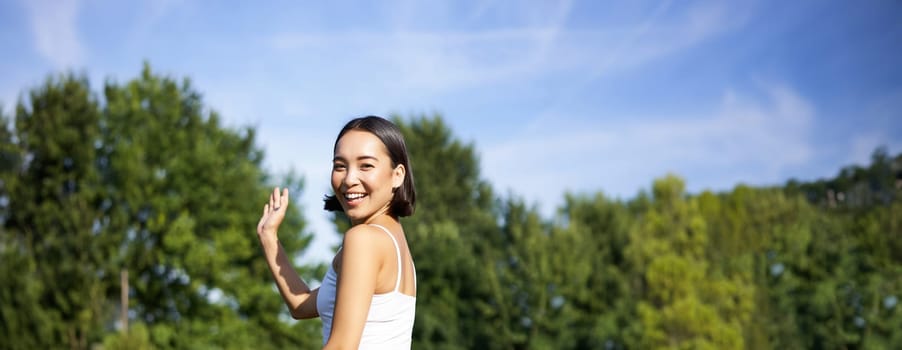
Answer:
[(402, 203)]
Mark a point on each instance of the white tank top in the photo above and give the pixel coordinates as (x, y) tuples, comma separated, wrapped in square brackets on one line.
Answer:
[(389, 324)]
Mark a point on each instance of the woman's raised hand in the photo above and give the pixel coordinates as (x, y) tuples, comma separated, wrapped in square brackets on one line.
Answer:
[(273, 214)]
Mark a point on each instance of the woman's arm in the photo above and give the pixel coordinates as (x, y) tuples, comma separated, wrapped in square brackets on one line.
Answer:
[(360, 264), (300, 299)]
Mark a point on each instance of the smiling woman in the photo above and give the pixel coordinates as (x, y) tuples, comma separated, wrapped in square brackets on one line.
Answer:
[(374, 135), (368, 297)]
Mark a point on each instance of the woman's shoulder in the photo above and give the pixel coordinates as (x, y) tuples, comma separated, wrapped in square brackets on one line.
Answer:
[(364, 235), (362, 230)]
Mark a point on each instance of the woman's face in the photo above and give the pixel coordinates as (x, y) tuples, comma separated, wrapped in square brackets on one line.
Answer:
[(363, 177)]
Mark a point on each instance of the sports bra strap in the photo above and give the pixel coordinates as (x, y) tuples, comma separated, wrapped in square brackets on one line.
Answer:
[(397, 250)]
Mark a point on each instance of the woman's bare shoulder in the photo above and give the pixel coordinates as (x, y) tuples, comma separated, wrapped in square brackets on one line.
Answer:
[(363, 236)]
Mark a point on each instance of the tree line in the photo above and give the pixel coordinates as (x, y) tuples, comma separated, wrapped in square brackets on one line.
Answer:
[(143, 177)]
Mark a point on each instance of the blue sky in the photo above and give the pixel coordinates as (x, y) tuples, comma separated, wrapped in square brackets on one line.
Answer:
[(579, 96)]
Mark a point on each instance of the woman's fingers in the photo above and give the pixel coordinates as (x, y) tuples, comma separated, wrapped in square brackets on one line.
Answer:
[(278, 199), (263, 217), (272, 198), (284, 198), (272, 217)]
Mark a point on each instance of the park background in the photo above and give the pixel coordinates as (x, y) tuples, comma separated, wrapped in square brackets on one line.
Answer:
[(591, 174)]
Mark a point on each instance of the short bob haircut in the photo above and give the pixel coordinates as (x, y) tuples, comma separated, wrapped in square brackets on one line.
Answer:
[(402, 203)]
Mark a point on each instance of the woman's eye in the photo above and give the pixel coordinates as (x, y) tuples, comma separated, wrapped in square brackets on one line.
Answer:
[(338, 166), (367, 166)]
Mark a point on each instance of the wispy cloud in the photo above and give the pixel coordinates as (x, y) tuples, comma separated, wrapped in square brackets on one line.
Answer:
[(742, 139), (434, 60), (55, 30), (662, 33), (445, 59), (540, 46)]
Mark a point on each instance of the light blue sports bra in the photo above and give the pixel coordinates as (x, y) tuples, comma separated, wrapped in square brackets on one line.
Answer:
[(389, 324)]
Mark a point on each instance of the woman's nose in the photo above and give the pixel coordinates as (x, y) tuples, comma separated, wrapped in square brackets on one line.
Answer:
[(350, 178)]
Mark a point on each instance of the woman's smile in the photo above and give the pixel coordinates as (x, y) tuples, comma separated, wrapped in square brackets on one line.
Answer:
[(352, 199), (364, 176)]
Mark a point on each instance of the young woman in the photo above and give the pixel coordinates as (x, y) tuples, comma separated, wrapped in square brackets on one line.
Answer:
[(368, 296)]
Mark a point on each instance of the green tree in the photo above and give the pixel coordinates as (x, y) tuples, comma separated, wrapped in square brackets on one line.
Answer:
[(184, 196), (598, 272), (761, 237), (136, 338), (685, 302), (150, 182), (547, 277), (847, 279), (878, 281), (54, 260), (450, 236)]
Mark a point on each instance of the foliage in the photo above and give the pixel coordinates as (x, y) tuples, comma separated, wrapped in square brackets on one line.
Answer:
[(748, 268), (57, 262), (147, 179), (454, 213)]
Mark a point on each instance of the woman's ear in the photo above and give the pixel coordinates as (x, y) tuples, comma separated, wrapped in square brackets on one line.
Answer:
[(397, 176)]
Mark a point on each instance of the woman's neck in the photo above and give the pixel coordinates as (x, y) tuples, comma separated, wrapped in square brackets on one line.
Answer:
[(373, 218)]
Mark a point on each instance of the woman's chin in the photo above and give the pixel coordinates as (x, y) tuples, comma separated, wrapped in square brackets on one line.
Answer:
[(354, 215)]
